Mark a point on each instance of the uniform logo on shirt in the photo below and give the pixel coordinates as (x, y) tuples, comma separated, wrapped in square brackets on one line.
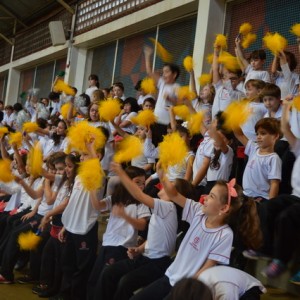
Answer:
[(83, 246), (195, 243)]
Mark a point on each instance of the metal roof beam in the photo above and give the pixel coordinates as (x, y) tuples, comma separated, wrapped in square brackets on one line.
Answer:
[(3, 8), (6, 39), (66, 6)]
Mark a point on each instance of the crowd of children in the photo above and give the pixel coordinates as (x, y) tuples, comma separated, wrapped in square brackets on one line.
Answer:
[(169, 229)]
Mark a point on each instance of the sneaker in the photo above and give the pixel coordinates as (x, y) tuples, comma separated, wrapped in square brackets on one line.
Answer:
[(296, 279), (26, 279), (255, 255), (4, 280), (39, 288), (274, 269)]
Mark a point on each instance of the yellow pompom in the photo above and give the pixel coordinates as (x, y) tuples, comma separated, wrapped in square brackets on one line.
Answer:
[(229, 61), (81, 133), (35, 160), (236, 114), (91, 174), (61, 86), (296, 103), (5, 173), (209, 58), (15, 138), (172, 150), (28, 240), (3, 130), (148, 86), (109, 109), (65, 109), (221, 41), (275, 42), (30, 127), (195, 123), (205, 79), (295, 29), (184, 92), (182, 111), (188, 63), (249, 39), (245, 28), (164, 55), (144, 118), (129, 148)]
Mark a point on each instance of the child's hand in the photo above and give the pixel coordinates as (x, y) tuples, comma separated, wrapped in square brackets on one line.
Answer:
[(44, 222), (118, 211), (90, 142), (160, 171), (61, 235), (116, 167), (149, 134), (27, 216), (237, 41), (133, 252), (148, 51), (18, 179)]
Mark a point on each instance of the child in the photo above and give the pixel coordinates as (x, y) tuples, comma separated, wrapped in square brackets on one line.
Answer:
[(254, 88), (262, 174), (148, 261), (9, 116), (283, 74), (93, 85), (118, 91), (149, 103), (126, 218), (271, 96), (226, 90), (254, 69), (208, 241), (141, 95)]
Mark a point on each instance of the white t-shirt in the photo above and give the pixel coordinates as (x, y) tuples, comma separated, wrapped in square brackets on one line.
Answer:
[(89, 91), (295, 122), (141, 99), (165, 90), (256, 74), (259, 170), (258, 110), (63, 191), (79, 216), (141, 161), (131, 128), (199, 244), (161, 238), (223, 172), (48, 146), (204, 150), (295, 180), (277, 114), (14, 189), (225, 94), (228, 283), (118, 231), (26, 200), (44, 207)]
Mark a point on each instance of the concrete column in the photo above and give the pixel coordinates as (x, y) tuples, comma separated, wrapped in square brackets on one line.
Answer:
[(210, 21), (12, 88)]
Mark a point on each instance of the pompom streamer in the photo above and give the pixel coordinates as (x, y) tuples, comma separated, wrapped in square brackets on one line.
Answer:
[(129, 148), (30, 127), (245, 28), (275, 42), (35, 160), (91, 174), (188, 63), (65, 109), (182, 111), (229, 61), (15, 138), (195, 123), (28, 241), (148, 86), (179, 150), (81, 133), (109, 109), (61, 86), (295, 29), (144, 118), (205, 79), (221, 41), (184, 92), (236, 114), (296, 103), (3, 131), (5, 173), (248, 40), (164, 55)]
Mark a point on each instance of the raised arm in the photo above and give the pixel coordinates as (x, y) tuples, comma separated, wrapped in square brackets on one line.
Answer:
[(285, 125), (274, 65), (34, 194), (215, 66), (4, 153), (97, 204), (240, 136), (240, 55), (148, 51), (215, 135)]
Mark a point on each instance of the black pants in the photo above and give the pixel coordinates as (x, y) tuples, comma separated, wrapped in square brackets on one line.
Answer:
[(108, 255), (158, 290), (78, 258), (122, 279), (252, 294)]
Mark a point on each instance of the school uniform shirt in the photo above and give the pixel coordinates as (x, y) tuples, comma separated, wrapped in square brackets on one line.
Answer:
[(14, 189), (258, 110), (225, 163), (141, 98), (141, 161), (131, 128), (256, 74), (118, 231), (48, 146), (150, 151), (205, 107), (55, 107), (199, 244), (89, 91), (225, 94), (259, 170), (162, 230), (44, 207), (204, 150), (63, 191), (9, 119), (295, 122), (79, 216), (295, 180), (229, 283), (277, 115), (165, 90)]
